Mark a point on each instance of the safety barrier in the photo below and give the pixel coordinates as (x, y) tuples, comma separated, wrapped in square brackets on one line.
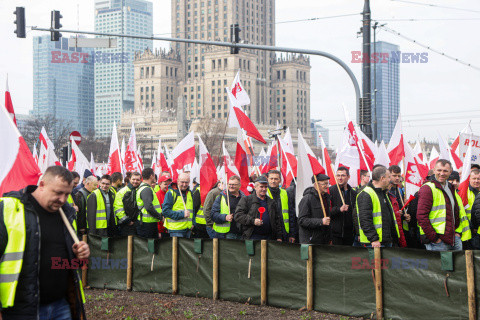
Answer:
[(393, 283)]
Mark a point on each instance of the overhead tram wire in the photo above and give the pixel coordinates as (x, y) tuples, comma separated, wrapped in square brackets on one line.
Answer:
[(436, 6), (428, 47), (429, 19), (264, 24)]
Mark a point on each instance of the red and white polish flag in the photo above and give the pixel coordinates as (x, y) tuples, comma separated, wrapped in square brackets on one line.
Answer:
[(241, 162), (9, 104), (183, 154), (208, 172), (114, 156), (237, 118), (17, 166), (465, 178)]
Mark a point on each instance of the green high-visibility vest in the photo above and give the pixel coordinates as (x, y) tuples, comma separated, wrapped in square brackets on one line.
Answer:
[(145, 216), (156, 189), (200, 217), (70, 200), (120, 214), (114, 191), (101, 212), (438, 214), (284, 201), (222, 227), (185, 223), (377, 215), (464, 225), (11, 261), (471, 199)]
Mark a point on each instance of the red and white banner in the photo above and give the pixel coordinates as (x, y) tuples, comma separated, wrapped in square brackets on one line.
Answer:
[(132, 162), (465, 178), (208, 172), (17, 166), (115, 163), (228, 165), (9, 104), (183, 154), (396, 146), (237, 118), (467, 140), (241, 162)]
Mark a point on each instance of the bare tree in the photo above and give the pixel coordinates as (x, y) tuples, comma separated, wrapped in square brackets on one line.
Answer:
[(211, 131), (58, 130), (100, 147)]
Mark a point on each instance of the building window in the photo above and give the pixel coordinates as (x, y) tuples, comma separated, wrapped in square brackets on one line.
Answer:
[(284, 74), (153, 71)]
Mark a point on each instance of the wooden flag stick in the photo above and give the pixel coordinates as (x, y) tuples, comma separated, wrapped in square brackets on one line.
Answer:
[(69, 226), (336, 182), (320, 196), (401, 199)]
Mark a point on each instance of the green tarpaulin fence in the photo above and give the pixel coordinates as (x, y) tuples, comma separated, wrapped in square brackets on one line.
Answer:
[(415, 282)]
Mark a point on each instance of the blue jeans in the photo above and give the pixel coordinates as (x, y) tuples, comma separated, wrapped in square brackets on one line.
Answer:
[(185, 233), (442, 246), (211, 232), (58, 310)]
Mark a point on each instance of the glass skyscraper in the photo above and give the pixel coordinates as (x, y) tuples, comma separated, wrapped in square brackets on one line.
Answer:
[(63, 83), (386, 97), (114, 67)]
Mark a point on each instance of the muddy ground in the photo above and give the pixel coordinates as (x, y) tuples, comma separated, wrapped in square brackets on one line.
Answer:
[(112, 304)]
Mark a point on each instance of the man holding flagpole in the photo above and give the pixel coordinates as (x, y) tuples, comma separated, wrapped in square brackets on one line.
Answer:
[(178, 208), (314, 212), (34, 245)]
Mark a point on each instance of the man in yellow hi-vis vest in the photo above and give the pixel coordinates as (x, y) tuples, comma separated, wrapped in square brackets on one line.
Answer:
[(100, 213), (438, 211), (222, 213), (178, 212), (377, 223), (473, 208), (37, 276), (150, 209), (289, 217)]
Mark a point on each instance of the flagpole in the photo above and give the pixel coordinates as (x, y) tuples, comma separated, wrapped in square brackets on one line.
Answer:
[(223, 137), (336, 182), (320, 196), (251, 152)]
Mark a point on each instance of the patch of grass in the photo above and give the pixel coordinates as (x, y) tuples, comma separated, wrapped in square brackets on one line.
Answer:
[(188, 314), (198, 304), (242, 313), (107, 311), (283, 312)]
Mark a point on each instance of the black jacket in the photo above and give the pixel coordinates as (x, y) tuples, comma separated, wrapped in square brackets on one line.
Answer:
[(27, 297), (81, 203), (342, 223), (292, 216), (111, 229), (365, 210), (310, 215), (247, 212)]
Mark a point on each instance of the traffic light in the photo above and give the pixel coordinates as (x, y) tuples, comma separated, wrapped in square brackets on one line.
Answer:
[(235, 37), (20, 22), (55, 24)]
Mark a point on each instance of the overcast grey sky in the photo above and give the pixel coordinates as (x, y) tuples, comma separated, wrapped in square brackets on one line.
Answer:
[(440, 86)]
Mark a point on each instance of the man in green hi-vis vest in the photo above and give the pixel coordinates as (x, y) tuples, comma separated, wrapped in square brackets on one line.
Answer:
[(376, 218), (37, 254)]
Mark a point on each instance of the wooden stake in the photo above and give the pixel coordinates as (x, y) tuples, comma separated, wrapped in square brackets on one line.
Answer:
[(336, 182), (174, 265), (69, 226), (378, 282), (263, 276), (129, 262), (310, 279), (249, 268), (215, 269), (472, 309), (320, 196), (85, 267)]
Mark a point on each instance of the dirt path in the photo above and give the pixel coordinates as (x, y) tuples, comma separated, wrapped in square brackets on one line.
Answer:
[(112, 304)]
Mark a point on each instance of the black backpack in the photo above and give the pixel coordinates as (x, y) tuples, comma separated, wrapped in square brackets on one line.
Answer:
[(130, 204)]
